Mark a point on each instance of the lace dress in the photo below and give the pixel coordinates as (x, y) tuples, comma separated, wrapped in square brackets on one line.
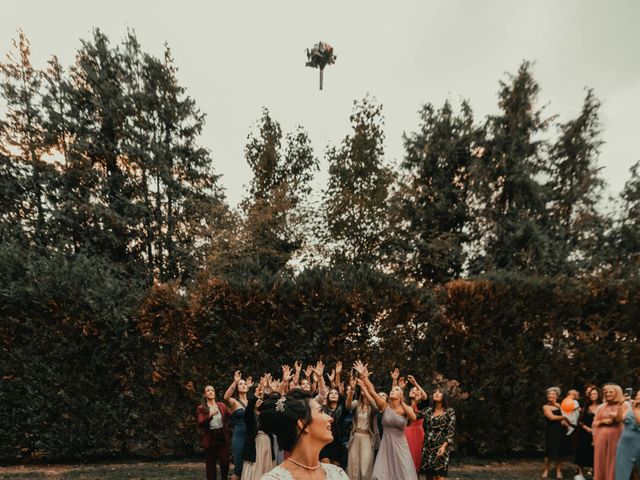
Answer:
[(332, 472)]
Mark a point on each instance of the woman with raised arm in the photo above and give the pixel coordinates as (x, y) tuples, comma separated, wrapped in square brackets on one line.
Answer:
[(302, 428), (364, 433), (213, 418), (394, 457), (258, 453), (236, 399), (334, 407), (415, 430), (440, 427)]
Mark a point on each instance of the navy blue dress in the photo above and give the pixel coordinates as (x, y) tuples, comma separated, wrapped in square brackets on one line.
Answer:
[(238, 438)]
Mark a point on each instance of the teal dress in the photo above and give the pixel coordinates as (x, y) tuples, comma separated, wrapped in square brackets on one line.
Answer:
[(238, 439), (628, 452)]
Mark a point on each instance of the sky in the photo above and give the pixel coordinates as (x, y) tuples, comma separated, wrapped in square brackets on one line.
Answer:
[(236, 57)]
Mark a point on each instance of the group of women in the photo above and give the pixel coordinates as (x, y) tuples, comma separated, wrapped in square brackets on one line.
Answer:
[(306, 426), (604, 432)]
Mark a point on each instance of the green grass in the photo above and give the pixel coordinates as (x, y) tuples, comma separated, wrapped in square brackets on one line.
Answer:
[(517, 470)]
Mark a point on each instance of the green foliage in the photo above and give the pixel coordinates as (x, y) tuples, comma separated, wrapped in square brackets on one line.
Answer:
[(430, 206), (127, 284), (356, 205)]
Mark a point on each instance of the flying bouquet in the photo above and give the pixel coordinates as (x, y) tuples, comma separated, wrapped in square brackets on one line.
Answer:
[(320, 56)]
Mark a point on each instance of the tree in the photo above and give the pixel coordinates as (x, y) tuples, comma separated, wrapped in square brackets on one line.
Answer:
[(431, 202), (356, 198), (274, 210), (626, 235), (576, 189), (22, 142), (511, 221)]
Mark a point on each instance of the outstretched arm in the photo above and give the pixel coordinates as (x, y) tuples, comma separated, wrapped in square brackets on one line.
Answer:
[(228, 395), (364, 377)]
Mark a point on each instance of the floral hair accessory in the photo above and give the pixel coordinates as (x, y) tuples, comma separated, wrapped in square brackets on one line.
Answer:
[(280, 403)]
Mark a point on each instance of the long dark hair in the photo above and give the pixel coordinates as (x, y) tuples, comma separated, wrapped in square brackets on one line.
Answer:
[(445, 398), (279, 416), (203, 401)]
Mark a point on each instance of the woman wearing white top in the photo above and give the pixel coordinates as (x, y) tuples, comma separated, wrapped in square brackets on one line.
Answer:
[(303, 429)]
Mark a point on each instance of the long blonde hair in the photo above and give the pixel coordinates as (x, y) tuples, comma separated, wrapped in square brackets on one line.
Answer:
[(619, 397)]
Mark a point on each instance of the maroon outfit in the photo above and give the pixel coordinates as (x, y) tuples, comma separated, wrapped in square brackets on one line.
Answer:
[(215, 442)]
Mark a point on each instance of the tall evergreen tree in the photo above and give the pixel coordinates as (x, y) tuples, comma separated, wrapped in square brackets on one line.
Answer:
[(356, 200), (431, 209), (511, 228), (626, 235), (22, 142), (283, 167), (576, 189)]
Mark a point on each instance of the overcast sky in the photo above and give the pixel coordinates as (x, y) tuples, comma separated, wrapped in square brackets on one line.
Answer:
[(236, 57)]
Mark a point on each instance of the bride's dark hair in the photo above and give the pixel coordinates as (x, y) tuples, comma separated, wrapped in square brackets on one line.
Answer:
[(279, 416)]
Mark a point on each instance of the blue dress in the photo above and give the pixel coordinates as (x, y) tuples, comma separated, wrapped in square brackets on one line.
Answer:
[(238, 438), (628, 451)]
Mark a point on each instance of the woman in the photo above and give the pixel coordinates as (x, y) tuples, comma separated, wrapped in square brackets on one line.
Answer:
[(607, 427), (555, 434), (364, 433), (415, 430), (440, 426), (332, 453), (213, 418), (628, 452), (258, 452), (394, 457), (302, 428), (584, 451), (237, 405)]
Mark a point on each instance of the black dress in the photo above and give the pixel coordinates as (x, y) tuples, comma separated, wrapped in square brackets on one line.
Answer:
[(334, 450), (555, 437), (584, 452)]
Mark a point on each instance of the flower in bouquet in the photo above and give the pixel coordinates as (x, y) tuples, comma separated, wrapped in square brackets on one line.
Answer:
[(319, 56)]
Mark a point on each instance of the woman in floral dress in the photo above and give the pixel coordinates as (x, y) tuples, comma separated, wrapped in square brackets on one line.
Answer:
[(439, 426)]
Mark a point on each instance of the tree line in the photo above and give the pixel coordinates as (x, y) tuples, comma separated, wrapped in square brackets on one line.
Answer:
[(489, 258)]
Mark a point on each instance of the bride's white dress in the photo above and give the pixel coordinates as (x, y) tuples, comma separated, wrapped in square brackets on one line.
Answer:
[(279, 473)]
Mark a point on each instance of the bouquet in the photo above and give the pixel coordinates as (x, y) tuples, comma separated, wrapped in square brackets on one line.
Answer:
[(320, 56)]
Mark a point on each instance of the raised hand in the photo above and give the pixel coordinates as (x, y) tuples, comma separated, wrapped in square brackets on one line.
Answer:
[(286, 373), (395, 374), (402, 383), (352, 382), (249, 381), (237, 376), (297, 365), (338, 367), (319, 368), (332, 375), (359, 367), (412, 380), (308, 371)]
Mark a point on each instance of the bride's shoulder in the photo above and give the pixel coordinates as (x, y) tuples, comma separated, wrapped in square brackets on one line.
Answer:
[(277, 473), (334, 472)]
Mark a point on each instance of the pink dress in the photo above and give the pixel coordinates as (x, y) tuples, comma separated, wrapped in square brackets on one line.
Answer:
[(415, 437), (605, 442)]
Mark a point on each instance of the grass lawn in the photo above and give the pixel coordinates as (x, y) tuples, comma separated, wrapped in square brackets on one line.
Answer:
[(516, 470)]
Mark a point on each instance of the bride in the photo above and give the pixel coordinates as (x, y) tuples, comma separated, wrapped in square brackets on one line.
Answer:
[(302, 428)]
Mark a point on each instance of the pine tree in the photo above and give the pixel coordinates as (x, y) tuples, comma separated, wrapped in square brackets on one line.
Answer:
[(356, 208), (431, 204), (576, 189), (511, 229), (626, 235), (22, 142), (283, 167)]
